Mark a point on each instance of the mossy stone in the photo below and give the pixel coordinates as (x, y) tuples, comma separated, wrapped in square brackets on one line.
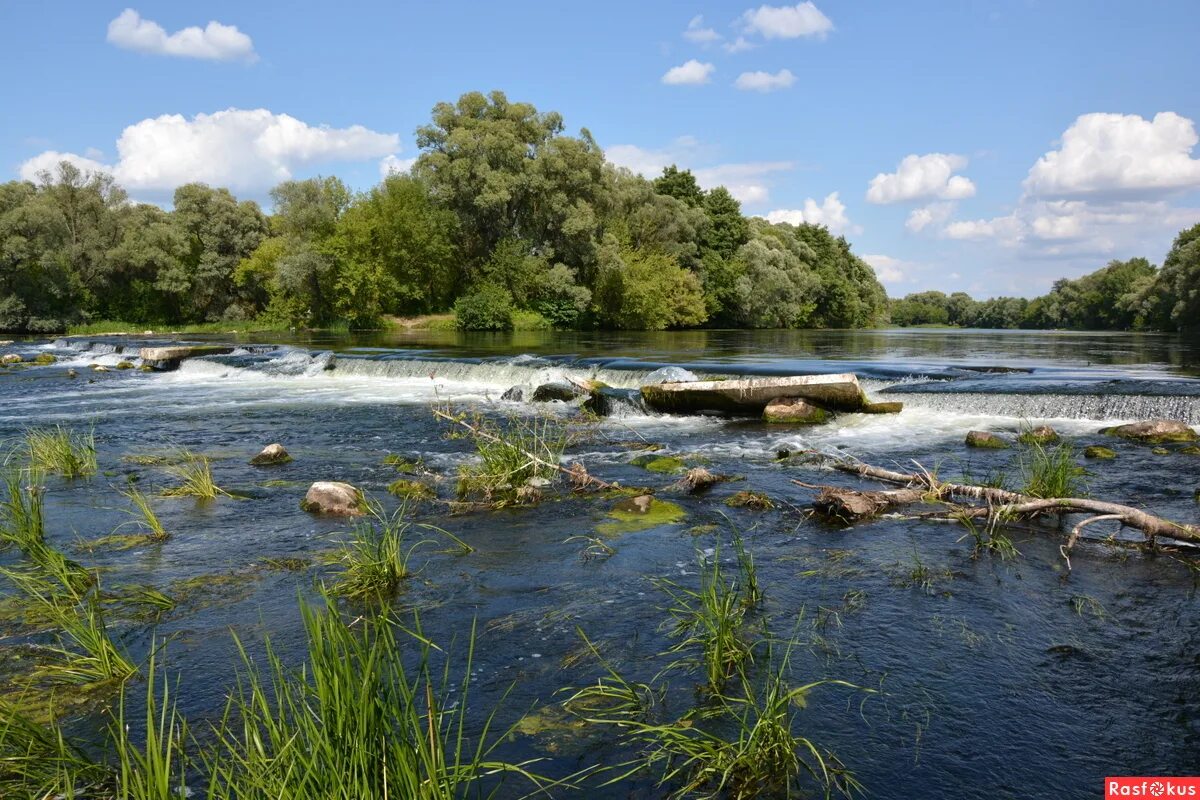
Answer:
[(641, 513), (661, 464), (1100, 452), (45, 358), (125, 365), (1161, 451), (985, 440), (411, 490), (748, 499), (1043, 434)]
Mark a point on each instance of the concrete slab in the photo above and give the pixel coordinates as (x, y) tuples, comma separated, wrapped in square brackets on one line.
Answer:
[(838, 392), (165, 358)]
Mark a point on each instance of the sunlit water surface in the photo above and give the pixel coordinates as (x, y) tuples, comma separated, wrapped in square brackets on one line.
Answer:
[(1005, 679)]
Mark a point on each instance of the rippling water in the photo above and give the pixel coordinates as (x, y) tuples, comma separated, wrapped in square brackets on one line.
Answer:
[(993, 683)]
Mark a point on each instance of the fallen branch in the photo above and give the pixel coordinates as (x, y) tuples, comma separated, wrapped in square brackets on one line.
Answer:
[(1001, 505), (577, 474), (1016, 503)]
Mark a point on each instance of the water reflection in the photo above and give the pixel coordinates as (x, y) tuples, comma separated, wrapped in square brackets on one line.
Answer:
[(1167, 352)]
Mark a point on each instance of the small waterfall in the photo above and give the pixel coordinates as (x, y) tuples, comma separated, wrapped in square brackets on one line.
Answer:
[(501, 373), (1061, 406)]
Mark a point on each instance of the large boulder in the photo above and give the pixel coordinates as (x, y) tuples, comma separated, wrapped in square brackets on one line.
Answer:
[(271, 454), (516, 394), (794, 410), (1154, 431), (563, 391), (985, 440), (1042, 434), (334, 498)]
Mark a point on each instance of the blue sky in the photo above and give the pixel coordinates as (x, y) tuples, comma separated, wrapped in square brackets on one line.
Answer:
[(989, 147)]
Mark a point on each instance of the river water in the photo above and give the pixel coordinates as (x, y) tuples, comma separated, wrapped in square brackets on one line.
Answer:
[(1000, 678)]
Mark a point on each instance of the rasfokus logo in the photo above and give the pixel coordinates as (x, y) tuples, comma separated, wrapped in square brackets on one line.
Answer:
[(1151, 787)]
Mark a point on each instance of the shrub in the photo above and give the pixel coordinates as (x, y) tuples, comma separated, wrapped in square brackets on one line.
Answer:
[(487, 308)]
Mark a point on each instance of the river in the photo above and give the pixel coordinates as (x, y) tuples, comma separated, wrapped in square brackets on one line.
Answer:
[(999, 678)]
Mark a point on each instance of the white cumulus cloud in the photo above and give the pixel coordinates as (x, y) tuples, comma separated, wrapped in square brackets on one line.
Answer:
[(748, 182), (920, 178), (214, 41), (394, 164), (247, 150), (691, 72), (933, 214), (830, 212), (787, 22), (1119, 155), (698, 33), (765, 81), (1008, 229), (887, 269)]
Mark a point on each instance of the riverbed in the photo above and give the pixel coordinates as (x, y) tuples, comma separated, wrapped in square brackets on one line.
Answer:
[(993, 678)]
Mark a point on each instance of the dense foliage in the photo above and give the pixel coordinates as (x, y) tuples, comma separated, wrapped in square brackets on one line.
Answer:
[(1124, 295), (503, 215)]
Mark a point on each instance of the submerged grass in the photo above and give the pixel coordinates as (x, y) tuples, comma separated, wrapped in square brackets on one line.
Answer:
[(194, 472), (144, 515), (61, 451)]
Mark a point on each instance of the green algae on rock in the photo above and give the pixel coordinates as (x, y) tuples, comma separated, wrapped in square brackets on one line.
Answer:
[(641, 513)]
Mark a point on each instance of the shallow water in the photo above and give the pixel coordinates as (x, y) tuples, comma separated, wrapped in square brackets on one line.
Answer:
[(992, 683)]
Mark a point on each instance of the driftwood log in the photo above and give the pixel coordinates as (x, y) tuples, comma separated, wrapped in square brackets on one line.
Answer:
[(999, 504)]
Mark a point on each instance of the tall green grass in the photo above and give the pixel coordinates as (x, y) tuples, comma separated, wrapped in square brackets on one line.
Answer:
[(375, 558), (353, 723), (61, 451), (1050, 472), (22, 509), (710, 620), (505, 472)]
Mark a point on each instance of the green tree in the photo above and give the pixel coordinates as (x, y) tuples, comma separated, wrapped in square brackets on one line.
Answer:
[(680, 184), (220, 232), (646, 290), (507, 171), (1173, 299), (396, 233)]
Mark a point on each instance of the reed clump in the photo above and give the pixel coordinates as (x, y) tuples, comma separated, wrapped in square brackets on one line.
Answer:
[(1051, 471), (375, 559), (61, 451), (194, 473), (356, 722), (517, 457)]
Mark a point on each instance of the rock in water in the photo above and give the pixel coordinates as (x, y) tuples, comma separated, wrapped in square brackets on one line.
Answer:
[(1154, 431), (11, 358), (548, 392), (1042, 434), (1098, 451), (984, 439), (332, 497), (71, 373), (45, 358), (270, 455), (794, 410), (514, 395)]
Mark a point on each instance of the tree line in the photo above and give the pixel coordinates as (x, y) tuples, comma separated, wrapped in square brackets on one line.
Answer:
[(1121, 296), (503, 215)]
